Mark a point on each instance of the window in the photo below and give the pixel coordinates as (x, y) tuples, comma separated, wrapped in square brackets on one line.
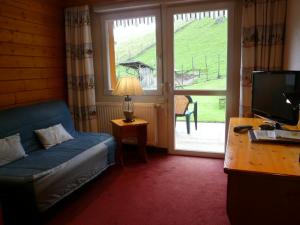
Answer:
[(132, 47)]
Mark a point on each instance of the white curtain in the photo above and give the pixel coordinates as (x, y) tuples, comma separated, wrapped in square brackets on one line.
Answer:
[(263, 26), (80, 68)]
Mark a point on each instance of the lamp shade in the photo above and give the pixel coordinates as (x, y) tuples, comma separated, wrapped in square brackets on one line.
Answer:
[(128, 85)]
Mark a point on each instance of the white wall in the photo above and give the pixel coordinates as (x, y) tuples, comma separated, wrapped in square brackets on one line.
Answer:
[(292, 39)]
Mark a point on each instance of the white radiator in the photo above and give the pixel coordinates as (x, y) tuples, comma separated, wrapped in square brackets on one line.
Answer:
[(111, 110)]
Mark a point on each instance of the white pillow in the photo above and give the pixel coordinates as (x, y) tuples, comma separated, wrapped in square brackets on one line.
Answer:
[(11, 149), (53, 135)]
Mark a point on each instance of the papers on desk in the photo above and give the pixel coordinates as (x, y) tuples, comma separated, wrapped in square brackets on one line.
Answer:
[(287, 134), (274, 135)]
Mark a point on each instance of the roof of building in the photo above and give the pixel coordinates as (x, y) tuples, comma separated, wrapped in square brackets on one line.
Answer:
[(136, 65)]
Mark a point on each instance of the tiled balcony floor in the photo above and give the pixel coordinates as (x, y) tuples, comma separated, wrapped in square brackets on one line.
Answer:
[(209, 137)]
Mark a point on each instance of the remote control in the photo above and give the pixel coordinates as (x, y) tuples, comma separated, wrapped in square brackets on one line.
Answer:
[(242, 128)]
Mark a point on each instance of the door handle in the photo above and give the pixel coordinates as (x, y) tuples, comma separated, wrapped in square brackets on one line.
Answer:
[(167, 86)]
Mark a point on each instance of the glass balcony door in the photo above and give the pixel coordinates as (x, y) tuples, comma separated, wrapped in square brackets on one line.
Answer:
[(199, 77)]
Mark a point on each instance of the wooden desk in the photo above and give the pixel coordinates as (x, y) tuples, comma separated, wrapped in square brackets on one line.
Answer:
[(137, 128), (263, 179)]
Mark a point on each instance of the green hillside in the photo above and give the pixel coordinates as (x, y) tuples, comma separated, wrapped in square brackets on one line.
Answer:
[(128, 50), (199, 40), (200, 45), (143, 45)]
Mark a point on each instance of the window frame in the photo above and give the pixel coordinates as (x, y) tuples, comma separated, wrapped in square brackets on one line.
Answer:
[(105, 64)]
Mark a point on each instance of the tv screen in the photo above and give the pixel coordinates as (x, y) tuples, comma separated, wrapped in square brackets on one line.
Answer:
[(268, 95)]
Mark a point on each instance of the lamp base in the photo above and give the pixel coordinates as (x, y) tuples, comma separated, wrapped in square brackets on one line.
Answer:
[(128, 116), (128, 121)]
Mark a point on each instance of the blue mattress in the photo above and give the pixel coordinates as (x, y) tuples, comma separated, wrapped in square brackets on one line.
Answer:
[(56, 172), (40, 161)]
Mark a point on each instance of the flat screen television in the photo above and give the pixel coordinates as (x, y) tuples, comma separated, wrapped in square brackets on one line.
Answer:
[(268, 95)]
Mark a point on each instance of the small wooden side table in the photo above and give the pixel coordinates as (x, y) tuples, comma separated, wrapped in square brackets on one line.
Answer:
[(137, 129)]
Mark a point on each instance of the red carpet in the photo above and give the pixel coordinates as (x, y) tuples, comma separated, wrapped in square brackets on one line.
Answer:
[(169, 190)]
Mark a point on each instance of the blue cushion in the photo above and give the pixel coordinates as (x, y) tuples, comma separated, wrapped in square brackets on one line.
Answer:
[(43, 160), (25, 120)]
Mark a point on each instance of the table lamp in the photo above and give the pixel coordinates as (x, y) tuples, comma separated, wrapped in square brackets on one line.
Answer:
[(128, 86)]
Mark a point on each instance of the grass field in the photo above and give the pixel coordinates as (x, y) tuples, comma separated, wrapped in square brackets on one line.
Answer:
[(209, 109), (199, 40), (202, 45)]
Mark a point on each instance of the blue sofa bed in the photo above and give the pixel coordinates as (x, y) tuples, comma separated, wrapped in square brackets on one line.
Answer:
[(46, 176)]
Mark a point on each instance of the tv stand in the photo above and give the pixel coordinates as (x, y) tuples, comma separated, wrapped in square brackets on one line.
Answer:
[(263, 179)]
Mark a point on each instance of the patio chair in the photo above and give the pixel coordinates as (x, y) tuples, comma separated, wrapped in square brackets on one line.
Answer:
[(182, 109)]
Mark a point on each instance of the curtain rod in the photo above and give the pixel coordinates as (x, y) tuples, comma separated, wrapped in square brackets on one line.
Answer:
[(142, 4), (101, 9)]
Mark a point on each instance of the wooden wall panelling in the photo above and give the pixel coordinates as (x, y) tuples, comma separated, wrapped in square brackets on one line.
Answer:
[(32, 58), (28, 27), (13, 49), (13, 12), (68, 3), (29, 73), (46, 7), (9, 36)]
